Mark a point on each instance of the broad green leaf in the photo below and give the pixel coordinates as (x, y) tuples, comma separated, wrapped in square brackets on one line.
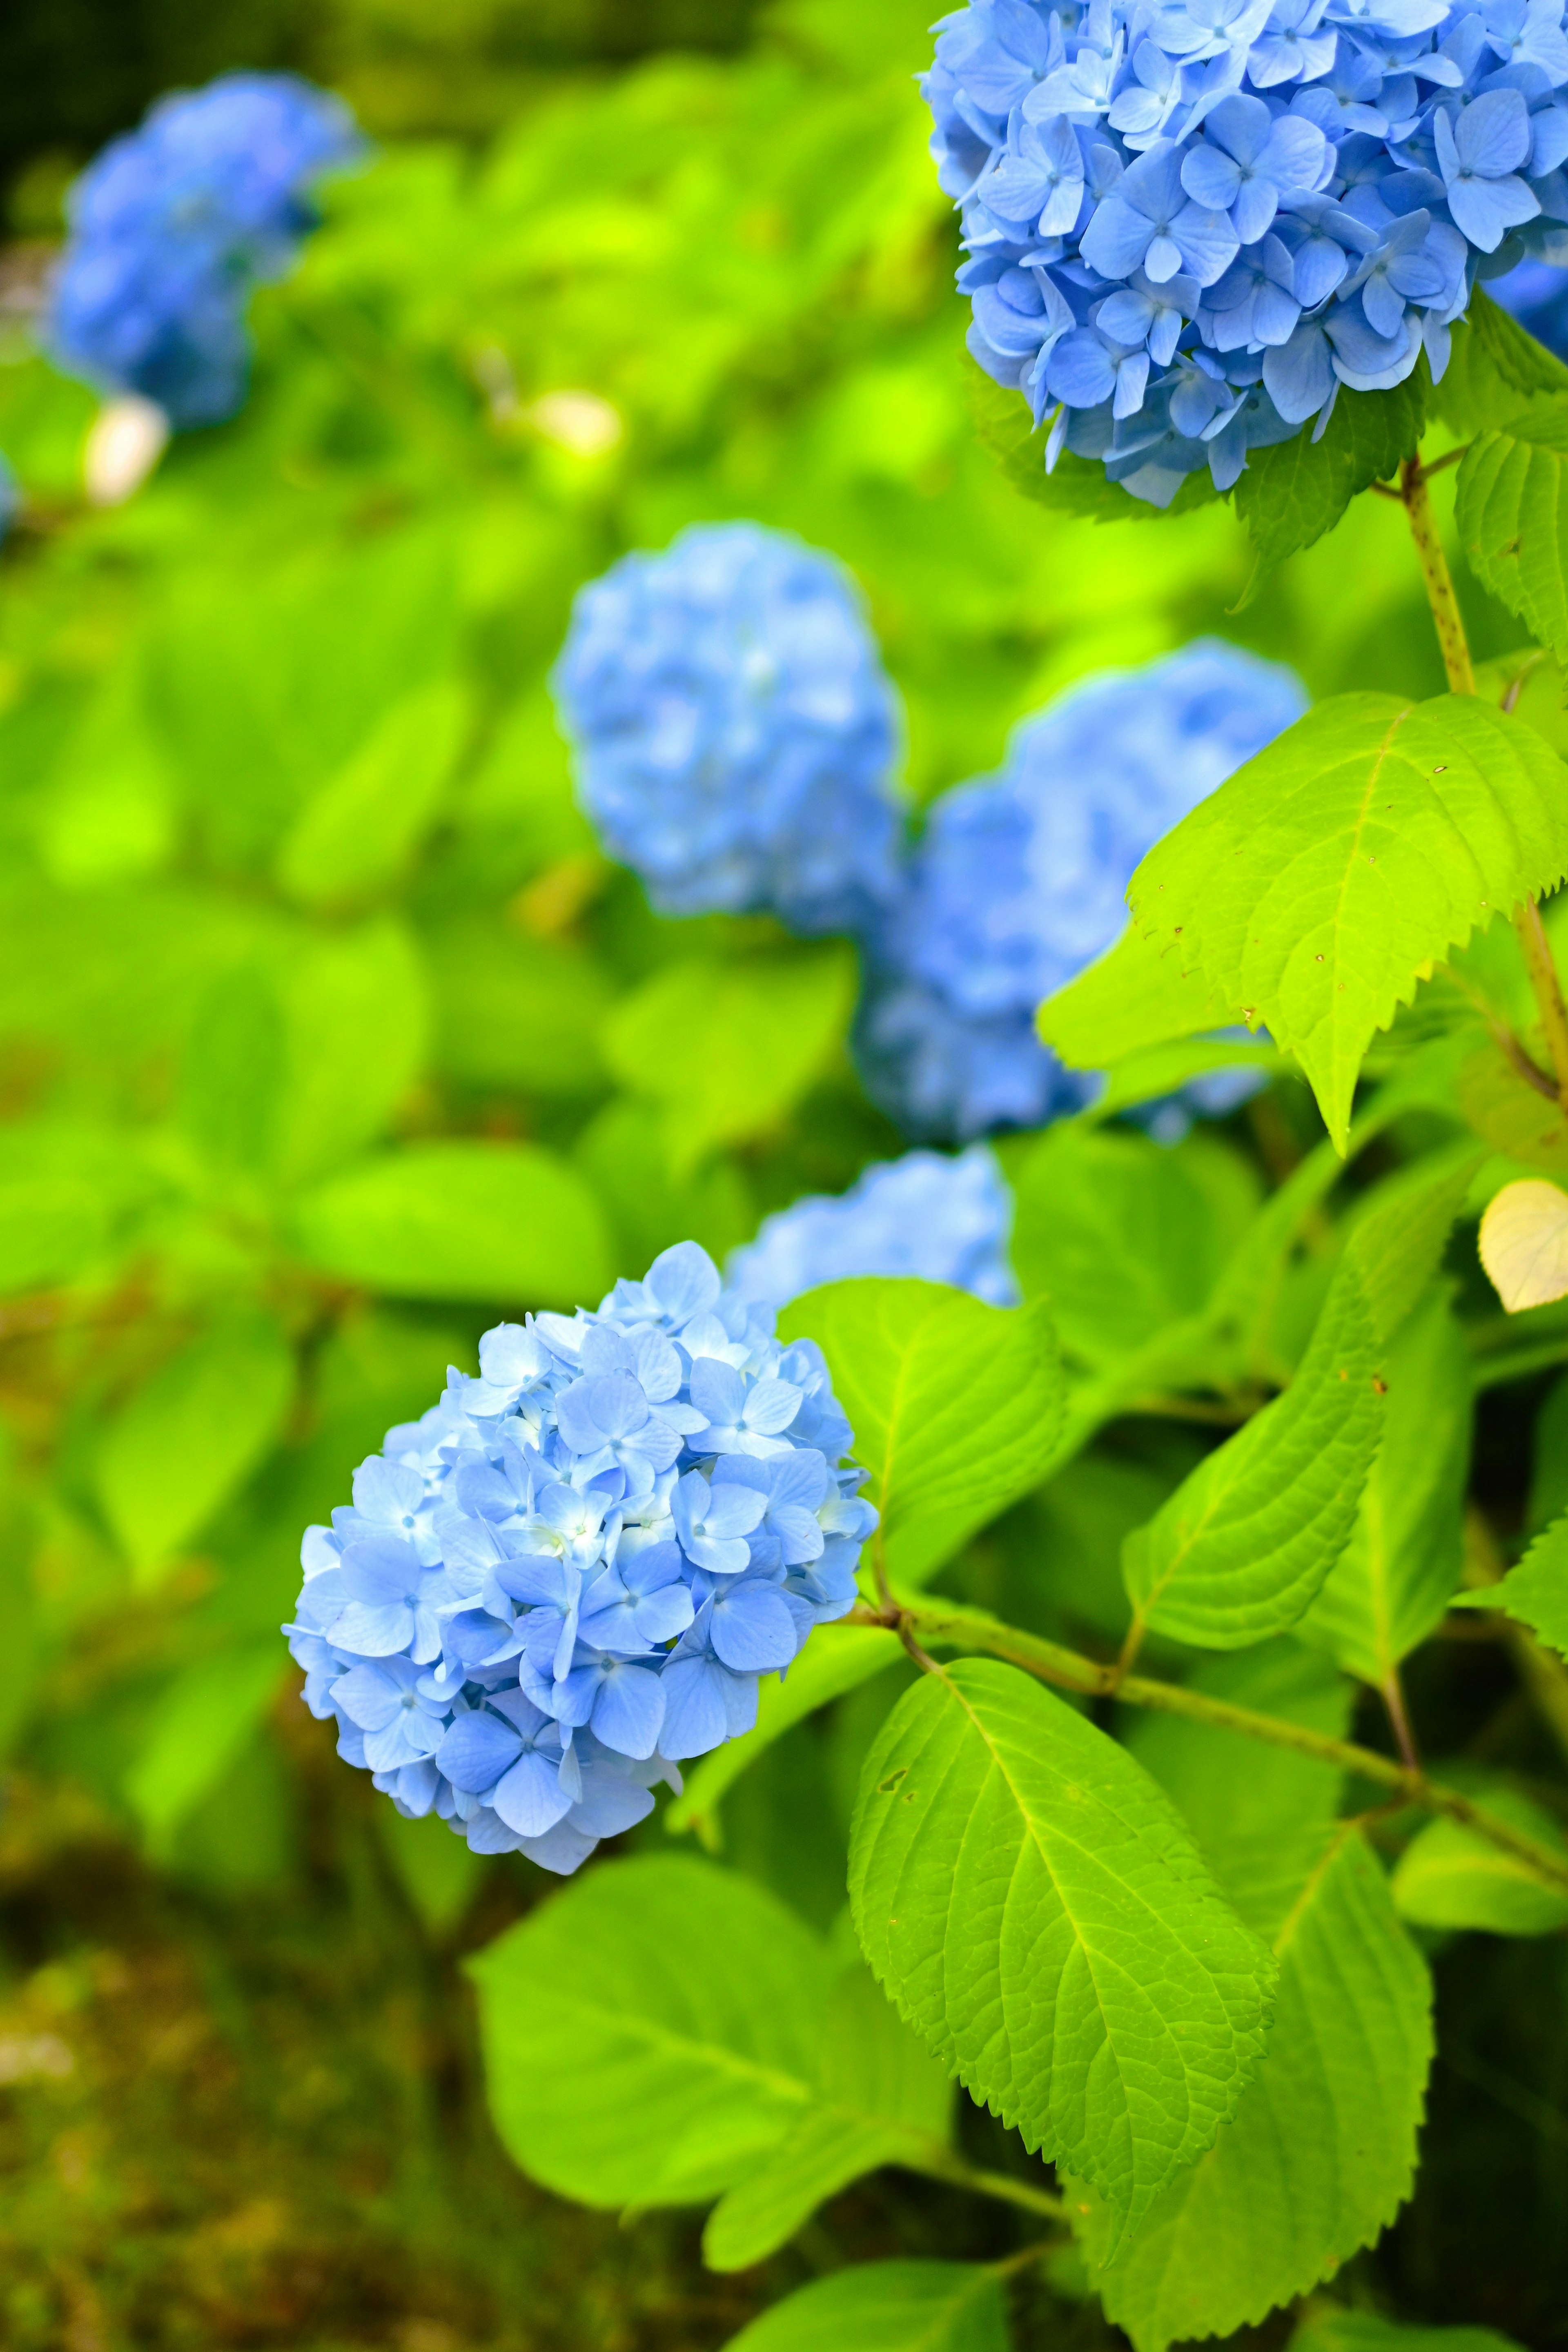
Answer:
[(911, 2307), (728, 1049), (1396, 1576), (356, 1020), (1131, 1000), (191, 1435), (1291, 495), (1313, 890), (1497, 368), (955, 1405), (1321, 2151), (1231, 1794), (1243, 1546), (1511, 507), (1536, 1591), (1329, 2328), (1449, 1876), (200, 1722), (1524, 1244), (68, 1191), (882, 2098), (839, 1659), (1116, 1234), (233, 1074), (1499, 1101), (650, 2032), (1033, 1902), (513, 1010), (439, 1873), (354, 837), (1399, 1228), (503, 1221)]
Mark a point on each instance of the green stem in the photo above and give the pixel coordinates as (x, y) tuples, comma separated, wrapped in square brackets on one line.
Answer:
[(1449, 624), (952, 1626), (944, 2165)]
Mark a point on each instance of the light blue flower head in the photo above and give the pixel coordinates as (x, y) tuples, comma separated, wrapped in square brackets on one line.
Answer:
[(944, 1219), (175, 223), (1188, 224), (734, 730), (574, 1570), (1019, 881)]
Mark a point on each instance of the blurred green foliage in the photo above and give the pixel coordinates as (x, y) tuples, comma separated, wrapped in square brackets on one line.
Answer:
[(303, 942)]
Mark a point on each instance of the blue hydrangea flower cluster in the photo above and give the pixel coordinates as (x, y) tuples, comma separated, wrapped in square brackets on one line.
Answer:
[(1536, 294), (175, 223), (1019, 881), (574, 1572), (1189, 222), (734, 732), (943, 1219)]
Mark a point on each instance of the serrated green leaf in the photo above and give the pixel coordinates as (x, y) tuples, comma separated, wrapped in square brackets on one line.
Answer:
[(1242, 1548), (768, 1028), (955, 1405), (1496, 367), (1034, 1904), (1536, 1591), (1320, 2152), (1315, 888), (202, 1720), (1132, 999), (1400, 1227), (1511, 506), (650, 2032), (1395, 1579), (888, 2307), (1291, 495), (495, 1221), (840, 1660), (1231, 1803), (1116, 1235), (882, 2099), (191, 1435), (1449, 1876), (1329, 2328)]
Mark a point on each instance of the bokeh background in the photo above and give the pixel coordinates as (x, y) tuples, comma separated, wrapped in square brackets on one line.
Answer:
[(289, 965)]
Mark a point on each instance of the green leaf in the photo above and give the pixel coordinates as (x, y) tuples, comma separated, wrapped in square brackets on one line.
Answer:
[(883, 2099), (1401, 1567), (1321, 2151), (728, 1049), (1511, 506), (1160, 1070), (354, 839), (1116, 1234), (955, 1405), (1400, 1227), (1536, 1591), (1242, 1548), (1131, 1000), (497, 1222), (1231, 1799), (650, 2032), (888, 2307), (233, 1074), (356, 1020), (66, 1194), (838, 1660), (439, 1873), (1449, 1876), (202, 1722), (1291, 495), (191, 1435), (1329, 2328), (1036, 1908), (513, 1010), (1078, 485), (1315, 888), (1496, 367)]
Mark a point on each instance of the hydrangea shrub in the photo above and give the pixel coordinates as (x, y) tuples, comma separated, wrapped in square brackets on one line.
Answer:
[(572, 1573), (175, 223)]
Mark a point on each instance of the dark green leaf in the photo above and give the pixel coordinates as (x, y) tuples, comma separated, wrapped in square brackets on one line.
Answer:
[(1512, 510), (1495, 369), (1291, 495), (888, 2307)]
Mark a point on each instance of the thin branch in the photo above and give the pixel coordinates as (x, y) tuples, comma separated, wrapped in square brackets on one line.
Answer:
[(1386, 490), (942, 2164), (1392, 1691), (1449, 457)]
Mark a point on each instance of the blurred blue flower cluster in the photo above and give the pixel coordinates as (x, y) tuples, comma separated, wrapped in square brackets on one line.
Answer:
[(175, 223), (1019, 879), (1536, 294), (943, 1219), (574, 1569), (734, 730), (1189, 223)]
